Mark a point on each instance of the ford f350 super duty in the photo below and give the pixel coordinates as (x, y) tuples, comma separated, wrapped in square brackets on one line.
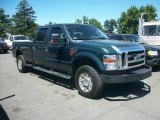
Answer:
[(84, 53)]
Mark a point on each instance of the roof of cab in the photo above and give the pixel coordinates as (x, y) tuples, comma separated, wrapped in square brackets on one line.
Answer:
[(63, 24)]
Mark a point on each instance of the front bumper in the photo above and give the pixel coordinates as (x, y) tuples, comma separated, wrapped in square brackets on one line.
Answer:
[(135, 75), (153, 62), (3, 47)]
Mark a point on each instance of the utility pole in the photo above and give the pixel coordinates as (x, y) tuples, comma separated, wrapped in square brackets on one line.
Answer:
[(141, 20), (142, 15)]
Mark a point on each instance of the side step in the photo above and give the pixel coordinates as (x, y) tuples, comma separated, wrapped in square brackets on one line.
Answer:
[(52, 72)]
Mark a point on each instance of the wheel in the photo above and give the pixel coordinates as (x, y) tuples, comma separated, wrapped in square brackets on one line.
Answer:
[(5, 51), (88, 82), (21, 64), (1, 50)]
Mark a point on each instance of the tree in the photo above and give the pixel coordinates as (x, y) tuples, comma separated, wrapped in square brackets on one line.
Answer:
[(85, 20), (50, 23), (23, 20), (128, 22), (150, 11), (79, 21), (4, 22), (96, 23), (110, 25)]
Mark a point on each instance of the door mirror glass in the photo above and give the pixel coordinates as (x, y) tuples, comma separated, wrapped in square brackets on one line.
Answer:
[(55, 36), (57, 39)]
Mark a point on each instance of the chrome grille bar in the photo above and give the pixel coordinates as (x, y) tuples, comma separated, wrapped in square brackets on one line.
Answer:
[(131, 59)]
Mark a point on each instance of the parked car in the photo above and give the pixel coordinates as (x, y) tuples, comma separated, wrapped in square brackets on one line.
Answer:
[(84, 53), (152, 52), (30, 38), (15, 38), (3, 46)]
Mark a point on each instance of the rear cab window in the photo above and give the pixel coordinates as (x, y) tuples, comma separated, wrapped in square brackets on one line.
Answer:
[(42, 34)]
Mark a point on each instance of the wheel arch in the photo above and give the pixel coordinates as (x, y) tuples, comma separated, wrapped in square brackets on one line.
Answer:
[(18, 52), (85, 58)]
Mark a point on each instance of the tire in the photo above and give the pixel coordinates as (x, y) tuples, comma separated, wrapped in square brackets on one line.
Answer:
[(21, 64), (88, 82), (1, 51), (5, 51)]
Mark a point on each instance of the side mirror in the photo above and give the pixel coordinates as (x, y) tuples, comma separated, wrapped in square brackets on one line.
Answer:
[(54, 36), (56, 39)]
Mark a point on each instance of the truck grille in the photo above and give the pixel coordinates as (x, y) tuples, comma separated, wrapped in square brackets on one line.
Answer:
[(132, 59)]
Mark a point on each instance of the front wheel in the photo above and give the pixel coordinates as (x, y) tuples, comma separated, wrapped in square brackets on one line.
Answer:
[(21, 64), (88, 82)]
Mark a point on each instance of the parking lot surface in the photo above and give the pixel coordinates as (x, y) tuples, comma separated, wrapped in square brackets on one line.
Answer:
[(39, 96)]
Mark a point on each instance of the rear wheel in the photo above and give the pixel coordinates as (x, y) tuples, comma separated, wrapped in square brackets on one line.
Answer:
[(5, 51), (88, 82), (21, 64), (1, 50)]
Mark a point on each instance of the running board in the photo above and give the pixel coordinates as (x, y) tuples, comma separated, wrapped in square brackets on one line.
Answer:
[(52, 72)]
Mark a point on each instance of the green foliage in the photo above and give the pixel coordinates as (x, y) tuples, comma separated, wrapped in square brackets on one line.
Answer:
[(79, 21), (23, 20), (150, 11), (110, 25), (95, 23), (4, 23), (91, 21), (85, 20), (128, 22)]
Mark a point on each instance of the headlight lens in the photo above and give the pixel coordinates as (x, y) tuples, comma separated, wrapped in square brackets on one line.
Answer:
[(152, 52), (110, 62)]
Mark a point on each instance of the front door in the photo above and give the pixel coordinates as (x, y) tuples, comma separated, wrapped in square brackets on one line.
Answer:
[(58, 53)]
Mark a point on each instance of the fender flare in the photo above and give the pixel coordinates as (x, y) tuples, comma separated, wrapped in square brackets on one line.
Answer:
[(88, 56), (18, 49)]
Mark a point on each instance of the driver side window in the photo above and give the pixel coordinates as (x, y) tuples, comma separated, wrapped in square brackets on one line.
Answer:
[(58, 31), (56, 35)]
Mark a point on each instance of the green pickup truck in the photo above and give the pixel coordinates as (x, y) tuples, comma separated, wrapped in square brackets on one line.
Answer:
[(84, 53)]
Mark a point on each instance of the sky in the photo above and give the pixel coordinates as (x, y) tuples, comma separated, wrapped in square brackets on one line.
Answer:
[(66, 11)]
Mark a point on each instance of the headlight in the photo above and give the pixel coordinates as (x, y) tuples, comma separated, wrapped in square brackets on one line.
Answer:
[(110, 62), (152, 52)]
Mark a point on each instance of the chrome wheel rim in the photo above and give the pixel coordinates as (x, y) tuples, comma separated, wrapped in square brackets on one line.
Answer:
[(19, 64), (85, 82)]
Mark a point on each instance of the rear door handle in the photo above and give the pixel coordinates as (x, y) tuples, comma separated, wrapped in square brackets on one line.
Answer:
[(33, 48), (46, 48)]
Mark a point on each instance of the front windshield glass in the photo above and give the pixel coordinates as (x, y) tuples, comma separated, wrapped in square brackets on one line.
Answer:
[(84, 32), (20, 38), (151, 30), (134, 38)]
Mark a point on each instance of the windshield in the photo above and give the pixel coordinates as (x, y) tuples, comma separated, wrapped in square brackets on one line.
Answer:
[(84, 32), (20, 38), (134, 38), (151, 30)]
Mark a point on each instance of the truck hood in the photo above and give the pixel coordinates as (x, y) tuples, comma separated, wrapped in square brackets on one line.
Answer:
[(116, 45), (151, 47)]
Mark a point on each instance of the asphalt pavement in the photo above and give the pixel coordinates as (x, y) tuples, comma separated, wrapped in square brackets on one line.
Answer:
[(39, 96)]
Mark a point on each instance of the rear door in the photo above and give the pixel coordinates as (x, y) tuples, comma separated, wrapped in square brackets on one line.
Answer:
[(39, 46)]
